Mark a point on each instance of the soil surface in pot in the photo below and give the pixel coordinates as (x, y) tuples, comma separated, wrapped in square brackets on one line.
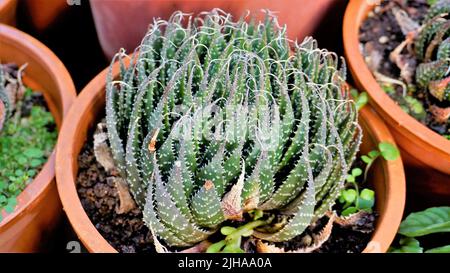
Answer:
[(27, 135), (380, 35), (128, 233)]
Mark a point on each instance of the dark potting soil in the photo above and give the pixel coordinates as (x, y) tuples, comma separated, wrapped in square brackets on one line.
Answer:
[(380, 32), (352, 239), (128, 233)]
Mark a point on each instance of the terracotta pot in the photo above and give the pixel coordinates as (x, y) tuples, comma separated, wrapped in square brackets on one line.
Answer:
[(113, 34), (388, 177), (8, 12), (426, 153), (42, 13), (39, 208)]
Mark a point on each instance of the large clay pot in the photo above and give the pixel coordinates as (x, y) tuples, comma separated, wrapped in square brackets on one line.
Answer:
[(387, 176), (302, 16), (42, 13), (38, 210), (426, 154), (8, 12)]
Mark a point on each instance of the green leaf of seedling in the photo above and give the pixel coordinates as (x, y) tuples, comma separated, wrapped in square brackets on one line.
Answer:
[(233, 247), (349, 211), (12, 201), (373, 154), (407, 245), (350, 178), (226, 230), (441, 249), (9, 209), (361, 100), (247, 233), (349, 196), (366, 159), (216, 247), (33, 153), (367, 194), (366, 199), (12, 187), (36, 162), (388, 151), (22, 160), (356, 172)]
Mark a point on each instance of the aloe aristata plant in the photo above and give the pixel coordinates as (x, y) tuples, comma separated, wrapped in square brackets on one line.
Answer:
[(216, 122)]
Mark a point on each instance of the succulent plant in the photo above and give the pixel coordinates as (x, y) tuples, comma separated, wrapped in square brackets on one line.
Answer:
[(215, 120), (432, 48)]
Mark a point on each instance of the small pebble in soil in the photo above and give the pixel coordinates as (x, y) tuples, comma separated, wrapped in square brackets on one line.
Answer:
[(383, 39)]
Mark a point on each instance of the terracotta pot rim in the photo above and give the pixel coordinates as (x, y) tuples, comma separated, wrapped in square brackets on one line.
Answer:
[(66, 89), (379, 99), (66, 175), (5, 3), (395, 185), (95, 242)]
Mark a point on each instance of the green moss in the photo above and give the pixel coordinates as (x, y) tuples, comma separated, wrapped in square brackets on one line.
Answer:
[(25, 145)]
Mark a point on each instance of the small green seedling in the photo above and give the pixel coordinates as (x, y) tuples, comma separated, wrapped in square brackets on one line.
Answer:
[(387, 150), (233, 239), (361, 99), (351, 198)]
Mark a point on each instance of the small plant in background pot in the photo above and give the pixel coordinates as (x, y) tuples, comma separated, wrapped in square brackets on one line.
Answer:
[(27, 135), (398, 52), (419, 77)]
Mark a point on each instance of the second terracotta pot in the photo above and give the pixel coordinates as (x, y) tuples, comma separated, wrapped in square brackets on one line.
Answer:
[(302, 16), (426, 154), (387, 176), (8, 12), (30, 227)]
